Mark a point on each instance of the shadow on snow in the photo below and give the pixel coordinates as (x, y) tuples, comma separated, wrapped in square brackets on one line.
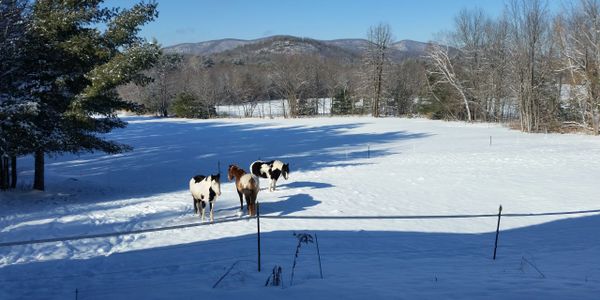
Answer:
[(461, 264), (167, 154)]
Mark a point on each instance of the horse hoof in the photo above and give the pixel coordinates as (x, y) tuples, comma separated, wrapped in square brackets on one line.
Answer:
[(240, 213)]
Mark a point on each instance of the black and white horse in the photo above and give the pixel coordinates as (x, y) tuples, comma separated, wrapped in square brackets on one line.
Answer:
[(205, 189), (271, 170)]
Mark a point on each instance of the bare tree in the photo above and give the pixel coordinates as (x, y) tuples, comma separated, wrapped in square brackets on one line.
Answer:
[(442, 68), (160, 93), (528, 21), (376, 62), (498, 105), (578, 36), (469, 39), (405, 83), (289, 75)]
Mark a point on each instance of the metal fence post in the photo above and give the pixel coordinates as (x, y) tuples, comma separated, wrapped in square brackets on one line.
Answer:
[(258, 232), (497, 230)]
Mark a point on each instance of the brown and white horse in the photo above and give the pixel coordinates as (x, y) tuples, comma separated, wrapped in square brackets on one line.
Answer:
[(247, 185)]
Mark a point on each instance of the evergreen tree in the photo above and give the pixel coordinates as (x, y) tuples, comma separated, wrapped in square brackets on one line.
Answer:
[(187, 105), (15, 106), (342, 103), (74, 68)]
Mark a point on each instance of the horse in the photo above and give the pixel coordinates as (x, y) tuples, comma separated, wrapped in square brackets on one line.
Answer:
[(270, 169), (246, 185), (205, 189)]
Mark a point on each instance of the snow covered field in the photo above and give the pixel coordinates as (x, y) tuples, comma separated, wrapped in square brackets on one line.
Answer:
[(394, 203)]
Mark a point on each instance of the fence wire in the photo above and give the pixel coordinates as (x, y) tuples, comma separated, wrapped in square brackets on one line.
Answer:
[(288, 217)]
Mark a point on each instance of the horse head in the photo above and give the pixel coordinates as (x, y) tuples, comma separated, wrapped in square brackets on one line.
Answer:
[(230, 174), (285, 170)]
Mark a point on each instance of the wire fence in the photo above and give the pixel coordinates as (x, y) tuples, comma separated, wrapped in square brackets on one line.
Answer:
[(230, 219)]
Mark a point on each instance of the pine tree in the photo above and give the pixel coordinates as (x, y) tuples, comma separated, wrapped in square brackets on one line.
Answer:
[(187, 105), (74, 68), (15, 106), (342, 103)]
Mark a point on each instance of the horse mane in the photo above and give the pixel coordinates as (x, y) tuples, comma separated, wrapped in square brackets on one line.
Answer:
[(235, 171), (216, 177)]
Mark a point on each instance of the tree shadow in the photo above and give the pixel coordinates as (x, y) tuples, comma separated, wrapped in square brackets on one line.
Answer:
[(412, 264), (306, 184), (167, 153), (289, 205)]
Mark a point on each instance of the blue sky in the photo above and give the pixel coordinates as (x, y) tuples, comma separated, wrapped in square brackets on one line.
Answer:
[(200, 20)]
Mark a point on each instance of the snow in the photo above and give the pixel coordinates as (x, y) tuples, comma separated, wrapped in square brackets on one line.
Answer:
[(386, 197)]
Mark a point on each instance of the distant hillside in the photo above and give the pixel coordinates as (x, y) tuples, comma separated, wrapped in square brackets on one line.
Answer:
[(265, 49), (208, 47), (258, 49)]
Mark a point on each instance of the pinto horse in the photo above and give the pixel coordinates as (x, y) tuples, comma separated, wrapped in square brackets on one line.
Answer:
[(247, 186), (205, 189), (271, 170)]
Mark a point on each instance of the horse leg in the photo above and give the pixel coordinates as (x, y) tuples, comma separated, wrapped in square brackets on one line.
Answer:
[(212, 220), (195, 203), (253, 197), (248, 204), (253, 200), (202, 206), (241, 202)]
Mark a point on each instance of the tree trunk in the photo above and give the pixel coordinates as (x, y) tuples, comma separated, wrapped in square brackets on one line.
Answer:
[(38, 180), (596, 121), (13, 181), (3, 185)]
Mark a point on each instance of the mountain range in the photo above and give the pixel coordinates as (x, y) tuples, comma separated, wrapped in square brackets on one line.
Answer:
[(284, 44)]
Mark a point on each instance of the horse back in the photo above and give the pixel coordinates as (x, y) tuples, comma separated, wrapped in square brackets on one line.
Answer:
[(249, 182), (255, 168)]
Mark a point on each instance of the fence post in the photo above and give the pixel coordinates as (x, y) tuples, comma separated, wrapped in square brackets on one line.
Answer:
[(490, 140), (319, 255), (368, 151), (258, 231), (497, 231), (76, 294)]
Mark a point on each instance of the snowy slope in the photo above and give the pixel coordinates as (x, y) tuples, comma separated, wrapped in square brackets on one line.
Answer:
[(396, 205)]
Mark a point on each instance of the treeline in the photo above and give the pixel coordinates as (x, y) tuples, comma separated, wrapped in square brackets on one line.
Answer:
[(59, 74), (191, 86), (527, 67)]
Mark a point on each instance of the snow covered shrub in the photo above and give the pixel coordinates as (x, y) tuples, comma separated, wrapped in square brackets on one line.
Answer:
[(275, 277)]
